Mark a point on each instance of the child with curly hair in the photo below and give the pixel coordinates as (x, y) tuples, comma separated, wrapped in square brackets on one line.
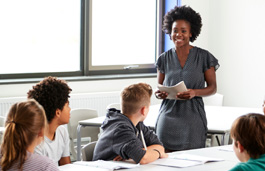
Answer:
[(53, 94)]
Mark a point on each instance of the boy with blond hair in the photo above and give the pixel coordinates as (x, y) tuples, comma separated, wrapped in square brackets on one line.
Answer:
[(248, 134), (124, 134)]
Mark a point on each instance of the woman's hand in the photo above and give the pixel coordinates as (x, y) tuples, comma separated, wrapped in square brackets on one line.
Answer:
[(161, 95), (186, 95)]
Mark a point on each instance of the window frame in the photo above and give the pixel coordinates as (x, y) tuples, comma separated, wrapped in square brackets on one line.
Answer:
[(85, 73), (120, 69)]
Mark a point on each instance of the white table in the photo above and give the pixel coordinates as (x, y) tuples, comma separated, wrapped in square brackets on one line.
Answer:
[(220, 119), (230, 160)]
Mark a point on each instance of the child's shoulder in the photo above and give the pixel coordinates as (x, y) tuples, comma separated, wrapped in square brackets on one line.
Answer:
[(61, 129), (61, 132), (39, 161)]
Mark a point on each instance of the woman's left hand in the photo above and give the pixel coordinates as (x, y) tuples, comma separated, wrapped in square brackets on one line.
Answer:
[(189, 94)]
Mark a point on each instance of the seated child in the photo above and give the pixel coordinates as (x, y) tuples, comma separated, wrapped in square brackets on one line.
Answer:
[(248, 134), (124, 135), (24, 129), (53, 95)]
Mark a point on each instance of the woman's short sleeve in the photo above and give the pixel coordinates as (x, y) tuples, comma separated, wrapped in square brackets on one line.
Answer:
[(160, 63), (210, 61)]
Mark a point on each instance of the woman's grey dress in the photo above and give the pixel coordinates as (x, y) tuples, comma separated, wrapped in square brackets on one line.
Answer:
[(182, 124)]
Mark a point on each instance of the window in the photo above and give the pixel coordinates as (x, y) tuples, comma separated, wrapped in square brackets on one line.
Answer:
[(123, 35), (79, 38), (39, 36)]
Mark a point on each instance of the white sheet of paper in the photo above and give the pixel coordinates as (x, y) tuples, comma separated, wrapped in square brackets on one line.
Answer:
[(184, 160), (228, 148), (71, 167), (173, 90), (111, 165), (175, 162), (192, 157)]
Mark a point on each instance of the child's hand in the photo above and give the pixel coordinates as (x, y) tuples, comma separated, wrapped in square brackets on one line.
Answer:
[(118, 158), (164, 155)]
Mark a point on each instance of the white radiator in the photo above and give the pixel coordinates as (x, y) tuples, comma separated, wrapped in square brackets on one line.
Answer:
[(98, 101), (6, 103)]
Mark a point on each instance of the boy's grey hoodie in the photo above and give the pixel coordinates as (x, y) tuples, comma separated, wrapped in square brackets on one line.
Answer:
[(121, 137)]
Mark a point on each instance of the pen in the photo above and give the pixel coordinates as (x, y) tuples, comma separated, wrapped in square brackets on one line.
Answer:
[(142, 137)]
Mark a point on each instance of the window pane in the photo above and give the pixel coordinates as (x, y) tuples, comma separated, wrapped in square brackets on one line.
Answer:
[(39, 36), (123, 32)]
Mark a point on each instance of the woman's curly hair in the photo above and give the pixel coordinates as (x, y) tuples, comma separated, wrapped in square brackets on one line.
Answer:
[(183, 13), (52, 94)]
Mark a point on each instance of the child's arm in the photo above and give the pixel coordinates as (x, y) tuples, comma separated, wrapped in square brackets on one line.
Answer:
[(149, 156), (64, 160), (158, 147), (153, 153), (65, 156)]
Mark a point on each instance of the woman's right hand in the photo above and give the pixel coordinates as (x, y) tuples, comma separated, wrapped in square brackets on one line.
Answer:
[(161, 95)]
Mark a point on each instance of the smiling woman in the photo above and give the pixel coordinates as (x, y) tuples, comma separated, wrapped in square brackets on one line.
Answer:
[(194, 66)]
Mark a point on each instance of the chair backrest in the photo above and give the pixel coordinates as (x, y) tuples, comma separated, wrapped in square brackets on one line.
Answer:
[(87, 151), (88, 134), (2, 124), (214, 100), (82, 114), (114, 105), (2, 121)]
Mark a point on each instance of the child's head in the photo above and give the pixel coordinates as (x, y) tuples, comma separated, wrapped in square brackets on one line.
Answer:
[(24, 123), (134, 97), (249, 131), (52, 94)]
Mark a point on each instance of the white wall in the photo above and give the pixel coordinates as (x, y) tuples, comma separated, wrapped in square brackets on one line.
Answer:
[(233, 31), (235, 34), (16, 90)]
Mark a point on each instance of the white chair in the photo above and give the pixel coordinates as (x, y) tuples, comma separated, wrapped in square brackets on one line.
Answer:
[(214, 100), (2, 124), (114, 105), (88, 134), (2, 121), (87, 151)]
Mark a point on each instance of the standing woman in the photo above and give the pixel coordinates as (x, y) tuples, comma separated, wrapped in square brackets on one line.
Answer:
[(182, 124), (24, 130)]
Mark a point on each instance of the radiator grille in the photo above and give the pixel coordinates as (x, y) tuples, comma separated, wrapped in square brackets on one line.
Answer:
[(98, 101), (6, 103)]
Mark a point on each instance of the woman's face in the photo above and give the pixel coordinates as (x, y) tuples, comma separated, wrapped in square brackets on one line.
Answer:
[(180, 34)]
